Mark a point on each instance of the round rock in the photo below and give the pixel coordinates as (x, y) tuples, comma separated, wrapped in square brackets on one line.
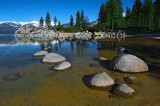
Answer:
[(40, 53), (128, 63), (123, 90), (62, 66), (103, 59), (53, 58), (100, 80)]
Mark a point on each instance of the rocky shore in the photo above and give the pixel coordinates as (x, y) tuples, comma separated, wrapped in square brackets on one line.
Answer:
[(51, 34)]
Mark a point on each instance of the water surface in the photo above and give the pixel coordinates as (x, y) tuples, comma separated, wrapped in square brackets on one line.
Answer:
[(39, 85)]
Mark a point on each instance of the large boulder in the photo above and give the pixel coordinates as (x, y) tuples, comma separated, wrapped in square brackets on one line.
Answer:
[(99, 80), (53, 58), (123, 90), (128, 63), (40, 53), (62, 66)]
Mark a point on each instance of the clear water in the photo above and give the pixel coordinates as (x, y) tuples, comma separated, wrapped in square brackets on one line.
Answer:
[(39, 85)]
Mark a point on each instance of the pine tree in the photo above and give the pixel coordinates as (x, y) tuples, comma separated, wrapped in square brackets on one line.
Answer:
[(48, 20), (82, 19), (102, 13), (157, 15), (71, 21), (60, 26), (107, 17), (120, 19), (41, 22), (128, 17), (137, 15), (78, 20), (86, 21), (55, 22), (148, 11), (113, 13)]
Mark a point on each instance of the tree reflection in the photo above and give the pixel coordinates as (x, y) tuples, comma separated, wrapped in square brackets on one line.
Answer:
[(72, 46), (80, 46), (49, 46), (42, 45), (56, 46)]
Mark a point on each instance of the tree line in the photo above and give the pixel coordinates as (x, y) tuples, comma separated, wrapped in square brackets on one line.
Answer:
[(80, 25), (144, 16)]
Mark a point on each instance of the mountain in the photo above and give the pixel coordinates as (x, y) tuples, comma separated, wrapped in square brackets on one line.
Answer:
[(93, 23), (9, 27)]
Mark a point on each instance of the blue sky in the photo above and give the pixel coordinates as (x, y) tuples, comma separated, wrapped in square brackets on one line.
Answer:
[(32, 10)]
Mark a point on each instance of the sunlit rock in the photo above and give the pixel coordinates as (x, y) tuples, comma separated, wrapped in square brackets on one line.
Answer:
[(99, 80), (124, 91), (62, 66), (40, 53), (53, 58), (128, 63)]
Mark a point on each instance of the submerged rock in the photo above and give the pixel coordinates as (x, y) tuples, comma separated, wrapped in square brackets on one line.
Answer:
[(131, 80), (12, 77), (128, 63), (99, 80), (40, 53), (48, 48), (53, 58), (102, 59), (62, 66), (94, 65), (124, 91)]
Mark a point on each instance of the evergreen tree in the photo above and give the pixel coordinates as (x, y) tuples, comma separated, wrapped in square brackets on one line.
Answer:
[(48, 20), (86, 21), (157, 15), (78, 20), (128, 19), (137, 15), (71, 21), (102, 13), (102, 17), (148, 12), (41, 22), (60, 26), (113, 13), (107, 17), (82, 19), (55, 22), (120, 20)]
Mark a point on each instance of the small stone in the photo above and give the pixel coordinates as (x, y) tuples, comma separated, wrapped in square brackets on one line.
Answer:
[(131, 80), (99, 80), (53, 58), (40, 53), (62, 66), (103, 59), (124, 91)]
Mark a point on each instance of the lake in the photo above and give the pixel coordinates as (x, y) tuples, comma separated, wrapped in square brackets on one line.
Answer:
[(40, 85)]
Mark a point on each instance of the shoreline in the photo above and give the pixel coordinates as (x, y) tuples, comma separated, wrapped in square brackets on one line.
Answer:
[(151, 36)]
